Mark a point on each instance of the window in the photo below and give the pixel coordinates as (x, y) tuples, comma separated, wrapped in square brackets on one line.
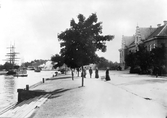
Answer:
[(154, 45), (150, 47)]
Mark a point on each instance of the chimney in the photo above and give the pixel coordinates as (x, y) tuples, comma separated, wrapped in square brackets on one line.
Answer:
[(158, 25), (165, 22)]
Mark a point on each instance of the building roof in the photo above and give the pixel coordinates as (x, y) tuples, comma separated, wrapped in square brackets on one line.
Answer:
[(160, 31), (164, 31), (146, 32), (127, 40)]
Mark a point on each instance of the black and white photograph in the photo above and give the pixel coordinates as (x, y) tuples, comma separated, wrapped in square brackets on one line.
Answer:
[(83, 58)]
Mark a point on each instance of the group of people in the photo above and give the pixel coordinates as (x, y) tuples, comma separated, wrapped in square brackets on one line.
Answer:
[(107, 77)]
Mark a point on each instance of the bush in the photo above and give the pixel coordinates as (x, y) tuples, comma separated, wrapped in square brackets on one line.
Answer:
[(135, 70)]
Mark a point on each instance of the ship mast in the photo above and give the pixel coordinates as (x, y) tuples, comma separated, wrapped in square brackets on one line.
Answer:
[(12, 55)]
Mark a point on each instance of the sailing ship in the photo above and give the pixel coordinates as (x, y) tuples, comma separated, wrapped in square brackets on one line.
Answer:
[(15, 70), (11, 60)]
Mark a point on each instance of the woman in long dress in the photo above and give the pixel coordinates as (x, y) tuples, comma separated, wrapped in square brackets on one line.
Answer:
[(107, 75), (96, 73)]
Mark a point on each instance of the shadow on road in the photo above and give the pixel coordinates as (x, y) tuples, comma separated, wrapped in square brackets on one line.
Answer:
[(58, 92), (156, 81)]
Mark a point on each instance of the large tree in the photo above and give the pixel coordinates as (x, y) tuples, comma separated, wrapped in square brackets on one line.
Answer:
[(146, 60), (80, 42)]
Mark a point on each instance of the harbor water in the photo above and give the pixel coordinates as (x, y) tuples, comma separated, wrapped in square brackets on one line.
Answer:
[(10, 84)]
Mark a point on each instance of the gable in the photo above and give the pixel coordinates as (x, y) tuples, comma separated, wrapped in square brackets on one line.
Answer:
[(127, 40)]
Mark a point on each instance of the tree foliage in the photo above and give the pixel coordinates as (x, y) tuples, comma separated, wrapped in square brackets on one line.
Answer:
[(158, 56), (58, 59), (144, 60), (80, 42), (7, 66), (104, 63)]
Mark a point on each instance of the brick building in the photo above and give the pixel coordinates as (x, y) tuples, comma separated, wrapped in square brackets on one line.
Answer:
[(151, 37)]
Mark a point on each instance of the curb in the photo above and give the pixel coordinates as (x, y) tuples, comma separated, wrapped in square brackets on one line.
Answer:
[(25, 109), (7, 108), (35, 85)]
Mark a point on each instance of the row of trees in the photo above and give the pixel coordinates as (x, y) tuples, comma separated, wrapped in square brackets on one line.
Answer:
[(103, 63), (35, 62), (7, 66), (80, 42), (147, 62)]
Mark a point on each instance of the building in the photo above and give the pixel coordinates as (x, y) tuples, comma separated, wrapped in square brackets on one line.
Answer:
[(151, 37)]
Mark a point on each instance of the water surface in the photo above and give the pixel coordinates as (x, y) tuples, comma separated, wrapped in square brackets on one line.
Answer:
[(10, 84)]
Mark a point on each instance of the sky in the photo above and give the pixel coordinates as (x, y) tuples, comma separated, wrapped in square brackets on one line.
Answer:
[(32, 25)]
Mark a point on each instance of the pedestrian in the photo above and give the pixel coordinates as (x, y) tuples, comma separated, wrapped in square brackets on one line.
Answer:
[(96, 73), (156, 70), (90, 72), (107, 74), (72, 72), (78, 71), (83, 74)]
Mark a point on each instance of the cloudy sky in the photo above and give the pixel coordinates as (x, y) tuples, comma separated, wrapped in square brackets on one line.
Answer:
[(33, 25)]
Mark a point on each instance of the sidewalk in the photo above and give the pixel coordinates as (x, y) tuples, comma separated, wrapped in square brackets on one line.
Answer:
[(97, 99)]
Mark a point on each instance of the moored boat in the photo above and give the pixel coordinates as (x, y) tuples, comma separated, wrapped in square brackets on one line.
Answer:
[(10, 64), (3, 72), (30, 68), (37, 69), (11, 72), (21, 72)]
